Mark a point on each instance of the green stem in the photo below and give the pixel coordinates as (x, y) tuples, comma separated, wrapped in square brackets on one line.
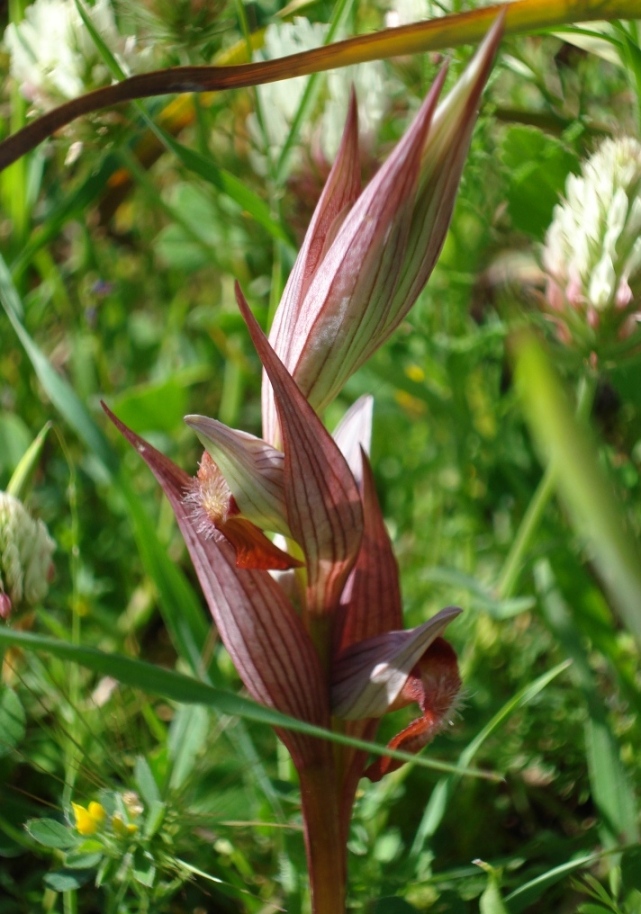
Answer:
[(536, 509)]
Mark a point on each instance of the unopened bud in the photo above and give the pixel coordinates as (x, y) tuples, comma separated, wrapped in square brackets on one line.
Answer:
[(25, 556)]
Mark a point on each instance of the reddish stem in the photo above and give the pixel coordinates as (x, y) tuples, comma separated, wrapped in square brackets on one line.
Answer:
[(326, 845)]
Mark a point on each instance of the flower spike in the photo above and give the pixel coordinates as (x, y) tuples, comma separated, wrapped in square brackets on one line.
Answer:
[(381, 257)]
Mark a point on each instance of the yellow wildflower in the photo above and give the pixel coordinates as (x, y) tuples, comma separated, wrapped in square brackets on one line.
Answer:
[(89, 820), (121, 828)]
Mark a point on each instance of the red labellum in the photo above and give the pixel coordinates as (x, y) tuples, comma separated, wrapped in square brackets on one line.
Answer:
[(433, 684)]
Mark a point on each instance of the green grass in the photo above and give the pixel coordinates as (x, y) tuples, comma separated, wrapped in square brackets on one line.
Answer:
[(138, 309)]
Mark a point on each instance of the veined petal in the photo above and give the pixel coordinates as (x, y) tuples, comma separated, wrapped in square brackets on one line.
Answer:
[(323, 503), (371, 600), (252, 469), (341, 190), (444, 155), (353, 285), (434, 684), (369, 676), (354, 434), (213, 507), (265, 638)]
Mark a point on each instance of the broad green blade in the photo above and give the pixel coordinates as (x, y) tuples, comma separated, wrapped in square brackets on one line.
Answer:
[(177, 687), (572, 452)]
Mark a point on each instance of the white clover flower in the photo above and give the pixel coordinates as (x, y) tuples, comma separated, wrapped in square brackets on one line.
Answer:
[(53, 57), (592, 253), (404, 12), (25, 556), (280, 100)]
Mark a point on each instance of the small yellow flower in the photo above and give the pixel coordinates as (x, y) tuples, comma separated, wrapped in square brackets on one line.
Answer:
[(89, 820), (121, 828)]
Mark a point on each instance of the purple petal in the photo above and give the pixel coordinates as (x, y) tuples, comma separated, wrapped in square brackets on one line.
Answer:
[(253, 470), (323, 503), (368, 677), (354, 434), (341, 189), (371, 601), (265, 638)]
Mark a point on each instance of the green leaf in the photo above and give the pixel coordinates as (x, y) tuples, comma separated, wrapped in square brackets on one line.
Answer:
[(177, 687), (12, 720), (159, 405), (186, 740), (144, 868), (67, 880), (538, 166), (145, 782), (528, 893), (28, 464), (79, 861), (51, 833), (491, 901), (154, 818), (571, 451)]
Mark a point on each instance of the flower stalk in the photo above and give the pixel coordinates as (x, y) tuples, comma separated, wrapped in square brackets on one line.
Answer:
[(521, 16), (314, 623)]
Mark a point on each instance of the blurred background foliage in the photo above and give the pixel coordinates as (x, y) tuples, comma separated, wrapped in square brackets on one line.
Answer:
[(121, 250)]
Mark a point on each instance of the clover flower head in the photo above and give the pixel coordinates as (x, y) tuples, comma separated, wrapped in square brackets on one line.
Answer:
[(592, 253), (54, 58), (281, 99), (25, 556)]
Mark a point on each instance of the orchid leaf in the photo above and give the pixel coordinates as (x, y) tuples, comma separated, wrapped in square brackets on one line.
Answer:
[(445, 32)]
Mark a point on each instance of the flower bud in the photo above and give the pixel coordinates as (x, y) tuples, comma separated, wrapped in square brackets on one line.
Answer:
[(25, 556)]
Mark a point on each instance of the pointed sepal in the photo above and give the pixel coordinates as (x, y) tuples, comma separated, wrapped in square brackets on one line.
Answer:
[(341, 190), (262, 633), (323, 503), (253, 470), (353, 434), (371, 602)]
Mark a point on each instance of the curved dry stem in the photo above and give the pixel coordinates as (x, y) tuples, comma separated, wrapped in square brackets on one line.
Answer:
[(446, 32)]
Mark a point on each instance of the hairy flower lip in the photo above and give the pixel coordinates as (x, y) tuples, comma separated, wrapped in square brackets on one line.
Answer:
[(252, 469), (368, 677)]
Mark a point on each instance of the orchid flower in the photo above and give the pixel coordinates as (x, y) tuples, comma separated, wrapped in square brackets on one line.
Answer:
[(367, 255), (313, 621)]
